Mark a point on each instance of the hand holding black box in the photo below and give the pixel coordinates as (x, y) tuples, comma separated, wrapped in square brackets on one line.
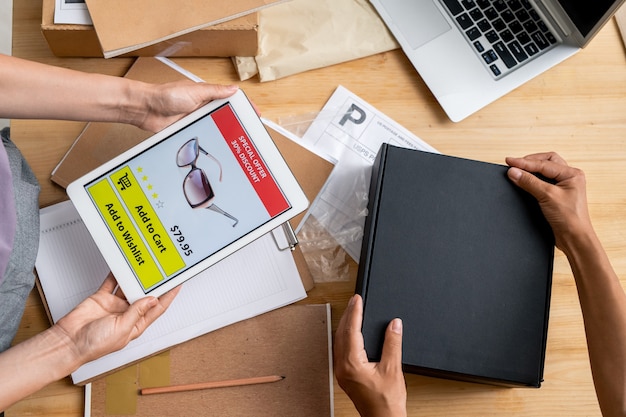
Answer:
[(465, 258)]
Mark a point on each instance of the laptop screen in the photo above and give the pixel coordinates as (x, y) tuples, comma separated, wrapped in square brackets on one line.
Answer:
[(585, 14)]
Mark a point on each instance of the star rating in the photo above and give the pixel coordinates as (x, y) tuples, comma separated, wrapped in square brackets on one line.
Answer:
[(150, 187)]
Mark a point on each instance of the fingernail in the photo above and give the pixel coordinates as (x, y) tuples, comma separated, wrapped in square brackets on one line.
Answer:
[(351, 301), (515, 173), (396, 326)]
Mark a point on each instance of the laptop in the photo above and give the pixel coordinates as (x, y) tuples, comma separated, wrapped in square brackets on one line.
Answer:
[(472, 52)]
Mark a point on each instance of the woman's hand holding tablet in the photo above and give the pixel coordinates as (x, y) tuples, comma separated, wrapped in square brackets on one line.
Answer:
[(187, 197)]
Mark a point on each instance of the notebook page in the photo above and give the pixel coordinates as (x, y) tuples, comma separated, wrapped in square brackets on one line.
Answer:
[(68, 267), (254, 280)]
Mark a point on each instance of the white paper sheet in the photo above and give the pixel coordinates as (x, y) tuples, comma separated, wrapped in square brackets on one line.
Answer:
[(254, 280), (348, 123), (72, 12)]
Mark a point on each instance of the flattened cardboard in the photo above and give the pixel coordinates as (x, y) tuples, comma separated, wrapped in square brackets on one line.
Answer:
[(293, 342), (123, 26), (465, 258), (99, 142), (230, 38)]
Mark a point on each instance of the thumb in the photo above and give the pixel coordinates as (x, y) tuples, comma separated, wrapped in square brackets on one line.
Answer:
[(528, 182), (392, 348), (215, 91)]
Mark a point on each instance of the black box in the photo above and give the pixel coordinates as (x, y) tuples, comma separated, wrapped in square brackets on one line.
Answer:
[(465, 258)]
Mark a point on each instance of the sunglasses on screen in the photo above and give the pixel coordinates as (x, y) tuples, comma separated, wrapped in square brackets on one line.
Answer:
[(196, 185)]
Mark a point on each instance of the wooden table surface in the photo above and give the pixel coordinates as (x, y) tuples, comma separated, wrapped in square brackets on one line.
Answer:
[(577, 109)]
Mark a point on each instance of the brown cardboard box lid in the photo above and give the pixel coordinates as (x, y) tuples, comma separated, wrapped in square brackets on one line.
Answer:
[(124, 26), (236, 37), (245, 22)]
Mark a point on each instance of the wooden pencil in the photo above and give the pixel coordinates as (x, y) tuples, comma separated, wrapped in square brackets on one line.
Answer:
[(212, 384)]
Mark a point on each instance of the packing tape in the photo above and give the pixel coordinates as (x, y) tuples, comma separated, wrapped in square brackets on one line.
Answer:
[(122, 387)]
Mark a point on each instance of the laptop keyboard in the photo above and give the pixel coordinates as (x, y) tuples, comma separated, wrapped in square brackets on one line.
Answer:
[(504, 33)]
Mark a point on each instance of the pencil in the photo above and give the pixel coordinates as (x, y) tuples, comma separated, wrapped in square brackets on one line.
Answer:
[(212, 384)]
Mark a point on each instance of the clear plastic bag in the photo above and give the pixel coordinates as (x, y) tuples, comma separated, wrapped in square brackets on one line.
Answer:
[(332, 228)]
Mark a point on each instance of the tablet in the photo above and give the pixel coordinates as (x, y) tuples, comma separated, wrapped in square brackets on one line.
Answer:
[(187, 197)]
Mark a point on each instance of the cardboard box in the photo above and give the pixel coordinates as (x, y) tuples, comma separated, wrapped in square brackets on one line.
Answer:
[(465, 258), (238, 37)]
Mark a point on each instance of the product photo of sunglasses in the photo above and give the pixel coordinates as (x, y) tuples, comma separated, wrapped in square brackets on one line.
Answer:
[(196, 185)]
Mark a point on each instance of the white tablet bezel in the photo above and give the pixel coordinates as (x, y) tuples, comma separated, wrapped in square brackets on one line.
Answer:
[(107, 244)]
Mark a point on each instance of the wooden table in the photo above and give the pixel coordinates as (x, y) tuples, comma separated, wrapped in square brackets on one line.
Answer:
[(577, 109)]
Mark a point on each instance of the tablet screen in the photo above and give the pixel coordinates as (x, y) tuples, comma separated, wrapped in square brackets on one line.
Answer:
[(186, 197)]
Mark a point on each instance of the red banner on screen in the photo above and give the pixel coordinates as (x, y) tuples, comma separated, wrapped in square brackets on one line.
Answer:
[(250, 161)]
